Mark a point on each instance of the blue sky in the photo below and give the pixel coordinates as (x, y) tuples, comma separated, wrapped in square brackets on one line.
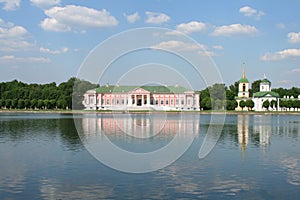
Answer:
[(47, 40)]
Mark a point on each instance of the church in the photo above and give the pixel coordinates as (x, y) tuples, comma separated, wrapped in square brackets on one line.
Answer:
[(264, 94), (108, 97)]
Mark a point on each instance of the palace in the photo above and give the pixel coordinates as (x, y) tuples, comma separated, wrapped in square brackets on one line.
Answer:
[(117, 97)]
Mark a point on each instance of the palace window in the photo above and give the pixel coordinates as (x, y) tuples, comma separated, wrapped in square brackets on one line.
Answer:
[(161, 102), (107, 101), (177, 101), (172, 101), (182, 102), (167, 102), (118, 101), (244, 87), (156, 102)]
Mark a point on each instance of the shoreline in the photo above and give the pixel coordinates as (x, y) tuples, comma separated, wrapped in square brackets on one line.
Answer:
[(153, 112)]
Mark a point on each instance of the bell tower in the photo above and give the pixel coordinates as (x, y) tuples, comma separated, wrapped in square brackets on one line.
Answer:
[(243, 85)]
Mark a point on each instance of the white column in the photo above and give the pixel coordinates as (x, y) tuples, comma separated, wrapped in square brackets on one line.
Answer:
[(148, 99), (135, 100), (142, 100)]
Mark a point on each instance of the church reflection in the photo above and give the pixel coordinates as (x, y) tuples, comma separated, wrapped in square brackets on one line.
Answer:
[(243, 131), (141, 125), (257, 129)]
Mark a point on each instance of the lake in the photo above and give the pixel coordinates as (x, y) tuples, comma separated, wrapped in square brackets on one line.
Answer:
[(53, 156)]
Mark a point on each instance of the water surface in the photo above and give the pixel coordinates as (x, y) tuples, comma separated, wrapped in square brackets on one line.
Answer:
[(256, 157)]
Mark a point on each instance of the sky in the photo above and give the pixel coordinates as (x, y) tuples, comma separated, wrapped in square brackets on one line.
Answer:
[(44, 41)]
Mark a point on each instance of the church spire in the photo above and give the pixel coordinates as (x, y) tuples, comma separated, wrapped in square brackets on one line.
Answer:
[(243, 72)]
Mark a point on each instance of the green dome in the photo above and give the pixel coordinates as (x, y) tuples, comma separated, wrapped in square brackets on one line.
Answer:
[(265, 81), (244, 80)]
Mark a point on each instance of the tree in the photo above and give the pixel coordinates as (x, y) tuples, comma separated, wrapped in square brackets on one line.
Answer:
[(27, 103), (273, 104), (40, 104), (297, 103), (21, 104), (33, 103), (14, 103), (219, 105), (61, 103), (289, 104), (250, 104), (2, 103), (266, 104), (242, 104), (8, 103), (255, 87), (231, 104), (205, 103)]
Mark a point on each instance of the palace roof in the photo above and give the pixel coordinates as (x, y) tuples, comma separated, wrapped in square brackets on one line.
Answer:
[(151, 89)]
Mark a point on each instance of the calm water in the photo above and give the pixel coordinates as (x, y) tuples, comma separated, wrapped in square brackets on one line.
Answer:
[(42, 157)]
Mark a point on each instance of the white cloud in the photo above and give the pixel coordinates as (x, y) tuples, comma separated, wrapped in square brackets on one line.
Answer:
[(281, 55), (178, 46), (251, 12), (218, 47), (133, 17), (11, 4), (13, 38), (45, 3), (280, 26), (234, 29), (295, 70), (51, 24), (13, 60), (293, 37), (191, 27), (49, 51), (156, 18), (63, 19)]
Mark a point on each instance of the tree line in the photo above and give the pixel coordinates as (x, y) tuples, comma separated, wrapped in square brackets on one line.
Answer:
[(221, 97), (18, 95)]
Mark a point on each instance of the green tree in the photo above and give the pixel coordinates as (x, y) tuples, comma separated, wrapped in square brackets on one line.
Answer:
[(231, 104), (14, 103), (33, 103), (8, 103), (242, 104), (250, 104), (205, 103), (273, 104), (21, 104), (266, 104), (2, 103), (61, 103), (255, 87), (219, 105), (40, 104), (289, 104), (27, 103)]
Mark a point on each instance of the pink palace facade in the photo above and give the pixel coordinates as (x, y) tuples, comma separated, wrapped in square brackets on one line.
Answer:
[(141, 98)]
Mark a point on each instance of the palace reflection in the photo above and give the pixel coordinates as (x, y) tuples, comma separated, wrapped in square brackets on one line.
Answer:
[(142, 125)]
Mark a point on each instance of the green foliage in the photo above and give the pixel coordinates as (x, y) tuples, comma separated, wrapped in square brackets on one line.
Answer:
[(266, 104), (255, 87), (250, 104), (242, 104), (231, 104), (287, 92), (15, 94)]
